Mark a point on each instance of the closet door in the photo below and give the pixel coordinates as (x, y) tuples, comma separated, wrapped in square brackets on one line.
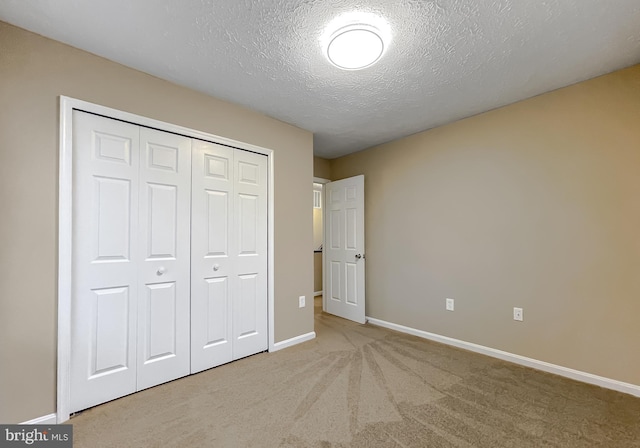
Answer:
[(249, 254), (229, 255), (105, 249), (164, 274), (212, 209), (169, 270), (131, 255)]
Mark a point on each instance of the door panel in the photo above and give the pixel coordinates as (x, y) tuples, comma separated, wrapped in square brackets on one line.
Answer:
[(351, 229), (160, 322), (211, 261), (248, 173), (336, 286), (351, 281), (344, 255), (249, 248), (104, 282), (216, 166), (110, 146), (248, 224), (163, 220), (218, 217), (164, 273), (336, 229), (109, 328), (218, 310), (111, 217), (246, 306), (161, 157)]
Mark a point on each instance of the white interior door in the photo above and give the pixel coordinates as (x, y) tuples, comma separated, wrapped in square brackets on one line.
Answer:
[(164, 268), (344, 270), (104, 303), (229, 255)]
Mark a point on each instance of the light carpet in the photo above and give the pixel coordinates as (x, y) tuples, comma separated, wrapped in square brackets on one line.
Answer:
[(365, 386)]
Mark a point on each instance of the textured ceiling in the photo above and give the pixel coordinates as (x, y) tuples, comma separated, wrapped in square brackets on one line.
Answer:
[(447, 59)]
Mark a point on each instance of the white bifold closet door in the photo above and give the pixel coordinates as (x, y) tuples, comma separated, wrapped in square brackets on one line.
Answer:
[(131, 259), (169, 258), (228, 255)]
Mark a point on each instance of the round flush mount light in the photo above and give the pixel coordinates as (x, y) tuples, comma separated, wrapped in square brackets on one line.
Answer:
[(355, 46)]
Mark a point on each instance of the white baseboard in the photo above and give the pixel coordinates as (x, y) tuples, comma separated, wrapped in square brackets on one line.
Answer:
[(50, 419), (293, 341), (317, 293), (578, 375)]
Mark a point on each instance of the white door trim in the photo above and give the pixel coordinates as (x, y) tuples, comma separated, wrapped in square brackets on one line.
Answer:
[(65, 209)]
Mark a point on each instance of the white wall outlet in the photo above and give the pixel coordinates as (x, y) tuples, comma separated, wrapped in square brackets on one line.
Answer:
[(449, 304), (517, 314), (301, 301)]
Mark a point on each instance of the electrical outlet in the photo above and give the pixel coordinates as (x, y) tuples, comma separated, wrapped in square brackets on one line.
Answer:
[(517, 314), (301, 302), (449, 304)]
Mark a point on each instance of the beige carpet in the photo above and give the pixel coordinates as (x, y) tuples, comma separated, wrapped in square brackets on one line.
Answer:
[(365, 386)]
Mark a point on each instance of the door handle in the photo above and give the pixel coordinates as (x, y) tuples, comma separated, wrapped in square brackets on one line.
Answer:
[(161, 270), (359, 256), (216, 267)]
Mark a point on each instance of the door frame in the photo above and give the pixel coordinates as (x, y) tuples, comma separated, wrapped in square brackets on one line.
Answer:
[(65, 220), (323, 181)]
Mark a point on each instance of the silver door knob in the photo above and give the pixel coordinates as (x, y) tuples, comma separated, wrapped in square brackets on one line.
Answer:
[(216, 267), (161, 270), (358, 256)]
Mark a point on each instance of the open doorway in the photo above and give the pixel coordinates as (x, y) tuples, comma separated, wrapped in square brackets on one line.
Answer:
[(318, 238)]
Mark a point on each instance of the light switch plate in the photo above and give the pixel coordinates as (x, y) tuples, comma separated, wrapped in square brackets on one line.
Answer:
[(449, 304)]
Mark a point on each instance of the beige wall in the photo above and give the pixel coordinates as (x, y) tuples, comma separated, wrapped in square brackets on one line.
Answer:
[(321, 168), (535, 205), (34, 71)]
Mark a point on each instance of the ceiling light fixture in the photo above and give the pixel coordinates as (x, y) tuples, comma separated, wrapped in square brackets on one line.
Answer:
[(355, 46)]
